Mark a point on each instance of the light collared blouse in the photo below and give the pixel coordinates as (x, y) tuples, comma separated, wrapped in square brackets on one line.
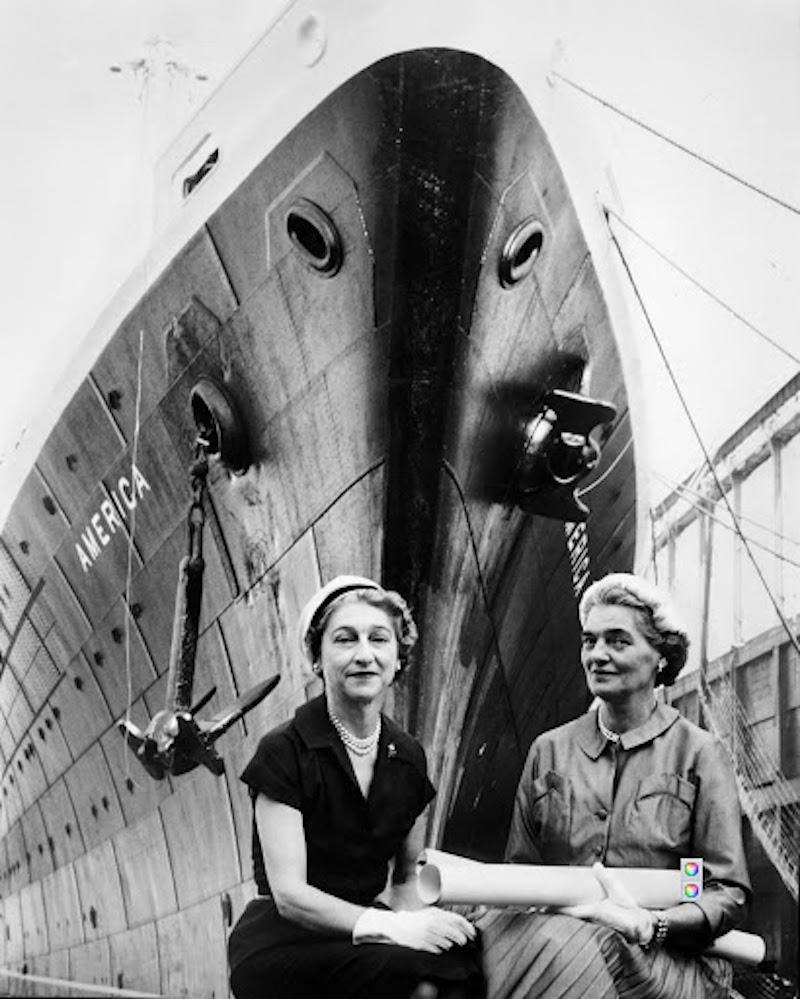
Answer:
[(665, 791)]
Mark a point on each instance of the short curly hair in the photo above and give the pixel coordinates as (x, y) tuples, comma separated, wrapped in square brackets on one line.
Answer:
[(388, 601), (655, 613)]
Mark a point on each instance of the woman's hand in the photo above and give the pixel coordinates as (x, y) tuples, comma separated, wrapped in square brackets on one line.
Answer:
[(431, 929), (617, 910)]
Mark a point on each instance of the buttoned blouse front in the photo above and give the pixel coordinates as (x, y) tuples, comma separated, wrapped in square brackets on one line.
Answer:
[(665, 791), (350, 838)]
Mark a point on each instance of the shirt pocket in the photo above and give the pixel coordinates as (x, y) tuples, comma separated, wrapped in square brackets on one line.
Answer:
[(551, 815), (663, 811)]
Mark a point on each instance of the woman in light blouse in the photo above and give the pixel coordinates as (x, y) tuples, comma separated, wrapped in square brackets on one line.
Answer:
[(628, 784)]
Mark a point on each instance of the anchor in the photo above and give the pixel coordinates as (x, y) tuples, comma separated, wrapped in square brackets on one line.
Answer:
[(558, 453), (175, 741)]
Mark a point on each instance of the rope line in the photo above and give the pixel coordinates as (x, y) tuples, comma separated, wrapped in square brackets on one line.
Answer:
[(706, 291), (696, 431), (679, 145), (729, 527), (451, 472), (653, 549), (681, 487), (607, 472), (129, 569), (757, 775)]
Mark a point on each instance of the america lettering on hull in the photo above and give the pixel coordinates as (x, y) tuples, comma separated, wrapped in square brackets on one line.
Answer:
[(111, 515)]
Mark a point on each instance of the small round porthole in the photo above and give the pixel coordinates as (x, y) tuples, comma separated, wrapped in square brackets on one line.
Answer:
[(314, 237), (520, 252)]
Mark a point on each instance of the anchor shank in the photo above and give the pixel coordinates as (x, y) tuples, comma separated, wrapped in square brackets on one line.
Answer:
[(185, 630)]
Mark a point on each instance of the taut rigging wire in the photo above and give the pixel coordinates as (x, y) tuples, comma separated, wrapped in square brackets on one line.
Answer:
[(730, 527), (746, 322), (696, 431), (681, 487), (678, 145)]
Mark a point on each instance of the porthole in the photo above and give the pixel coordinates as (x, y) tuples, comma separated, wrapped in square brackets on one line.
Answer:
[(521, 251), (314, 237)]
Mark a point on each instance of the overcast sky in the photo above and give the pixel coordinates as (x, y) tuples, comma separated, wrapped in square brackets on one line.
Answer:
[(76, 169)]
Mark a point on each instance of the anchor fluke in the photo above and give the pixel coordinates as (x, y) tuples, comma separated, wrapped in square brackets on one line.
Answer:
[(175, 742), (144, 748), (222, 721)]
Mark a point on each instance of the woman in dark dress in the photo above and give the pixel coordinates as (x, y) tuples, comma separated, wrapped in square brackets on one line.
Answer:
[(629, 784), (338, 795)]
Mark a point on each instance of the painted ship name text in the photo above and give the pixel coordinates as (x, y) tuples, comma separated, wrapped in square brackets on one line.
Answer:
[(112, 514)]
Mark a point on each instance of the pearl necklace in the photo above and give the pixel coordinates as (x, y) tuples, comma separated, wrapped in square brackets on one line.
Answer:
[(615, 736), (361, 747), (611, 736)]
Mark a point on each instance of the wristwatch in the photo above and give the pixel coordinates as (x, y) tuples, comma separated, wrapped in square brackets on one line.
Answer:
[(660, 929)]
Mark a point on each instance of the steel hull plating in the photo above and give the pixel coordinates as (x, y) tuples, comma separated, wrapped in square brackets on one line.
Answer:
[(386, 407)]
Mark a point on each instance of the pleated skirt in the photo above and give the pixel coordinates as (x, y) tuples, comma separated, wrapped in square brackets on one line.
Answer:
[(541, 956)]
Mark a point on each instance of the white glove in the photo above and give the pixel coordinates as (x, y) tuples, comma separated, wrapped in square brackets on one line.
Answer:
[(431, 929)]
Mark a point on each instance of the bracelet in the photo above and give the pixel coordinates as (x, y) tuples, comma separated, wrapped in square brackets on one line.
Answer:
[(660, 929)]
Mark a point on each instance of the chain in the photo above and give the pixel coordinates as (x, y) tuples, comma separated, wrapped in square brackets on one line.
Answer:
[(198, 473)]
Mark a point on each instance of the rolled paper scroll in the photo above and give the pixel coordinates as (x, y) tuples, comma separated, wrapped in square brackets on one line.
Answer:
[(448, 878), (748, 948)]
